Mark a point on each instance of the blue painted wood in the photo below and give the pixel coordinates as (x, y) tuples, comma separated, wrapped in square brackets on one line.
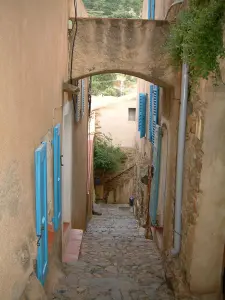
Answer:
[(155, 110), (139, 113), (150, 129), (142, 115), (155, 181), (83, 96), (151, 9), (41, 211), (57, 177)]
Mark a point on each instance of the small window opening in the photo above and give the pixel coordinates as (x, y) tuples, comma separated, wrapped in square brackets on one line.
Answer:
[(131, 114)]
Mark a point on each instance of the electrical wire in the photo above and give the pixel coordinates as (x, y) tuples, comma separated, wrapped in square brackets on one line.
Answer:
[(72, 54), (74, 39)]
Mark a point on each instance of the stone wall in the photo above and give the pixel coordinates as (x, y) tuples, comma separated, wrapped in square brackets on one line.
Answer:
[(197, 271), (116, 45)]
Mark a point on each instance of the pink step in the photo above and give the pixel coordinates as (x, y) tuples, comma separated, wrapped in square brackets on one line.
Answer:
[(65, 237), (73, 247)]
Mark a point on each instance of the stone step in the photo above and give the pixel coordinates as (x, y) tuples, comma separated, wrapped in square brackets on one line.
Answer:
[(65, 237), (73, 247)]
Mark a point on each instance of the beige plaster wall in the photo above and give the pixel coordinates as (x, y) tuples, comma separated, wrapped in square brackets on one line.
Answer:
[(137, 50), (80, 168), (113, 120), (33, 51)]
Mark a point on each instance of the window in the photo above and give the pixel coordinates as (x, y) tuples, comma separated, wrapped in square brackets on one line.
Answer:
[(131, 114)]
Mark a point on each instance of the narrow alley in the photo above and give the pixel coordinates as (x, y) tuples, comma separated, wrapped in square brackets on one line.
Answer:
[(116, 262)]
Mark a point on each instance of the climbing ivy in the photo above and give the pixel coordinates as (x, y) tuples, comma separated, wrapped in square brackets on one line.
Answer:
[(197, 38), (107, 157)]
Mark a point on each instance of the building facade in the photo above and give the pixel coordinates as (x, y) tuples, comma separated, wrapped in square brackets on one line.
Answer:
[(194, 257), (114, 114), (41, 130)]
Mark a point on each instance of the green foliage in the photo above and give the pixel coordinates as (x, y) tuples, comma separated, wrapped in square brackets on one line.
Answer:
[(103, 84), (114, 8), (107, 157), (197, 38)]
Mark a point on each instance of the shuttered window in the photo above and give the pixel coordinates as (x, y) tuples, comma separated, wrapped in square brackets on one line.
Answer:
[(151, 9), (78, 103), (142, 115), (153, 111), (155, 181), (41, 211), (57, 178), (82, 97)]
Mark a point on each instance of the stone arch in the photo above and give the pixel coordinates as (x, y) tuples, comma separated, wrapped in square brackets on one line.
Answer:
[(129, 46)]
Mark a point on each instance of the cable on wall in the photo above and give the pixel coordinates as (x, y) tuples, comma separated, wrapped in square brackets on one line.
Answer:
[(72, 56)]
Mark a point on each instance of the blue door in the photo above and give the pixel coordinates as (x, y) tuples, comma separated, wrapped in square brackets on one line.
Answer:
[(155, 181), (57, 177), (41, 211)]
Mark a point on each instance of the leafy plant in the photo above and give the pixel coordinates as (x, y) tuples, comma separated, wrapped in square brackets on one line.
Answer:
[(114, 9), (100, 84), (107, 157), (197, 38)]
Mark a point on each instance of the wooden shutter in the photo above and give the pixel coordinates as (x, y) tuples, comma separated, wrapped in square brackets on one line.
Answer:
[(150, 130), (155, 108), (41, 211), (153, 111), (155, 181), (142, 115), (78, 103), (83, 96), (57, 178)]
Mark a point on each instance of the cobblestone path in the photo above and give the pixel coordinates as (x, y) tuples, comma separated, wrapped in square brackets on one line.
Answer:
[(116, 263)]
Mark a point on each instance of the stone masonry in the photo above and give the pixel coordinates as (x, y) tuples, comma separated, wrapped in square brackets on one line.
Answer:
[(116, 262)]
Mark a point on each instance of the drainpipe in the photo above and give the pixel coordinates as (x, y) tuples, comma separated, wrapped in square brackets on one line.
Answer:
[(180, 161)]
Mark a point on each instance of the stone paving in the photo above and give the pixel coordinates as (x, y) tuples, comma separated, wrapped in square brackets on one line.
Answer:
[(116, 262)]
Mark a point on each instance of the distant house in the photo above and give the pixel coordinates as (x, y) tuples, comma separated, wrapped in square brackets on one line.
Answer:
[(116, 117)]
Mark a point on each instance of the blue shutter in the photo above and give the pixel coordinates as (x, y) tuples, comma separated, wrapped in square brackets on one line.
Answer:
[(83, 96), (41, 211), (151, 9), (78, 102), (150, 130), (155, 108), (154, 111), (57, 178), (142, 115), (155, 181), (140, 112)]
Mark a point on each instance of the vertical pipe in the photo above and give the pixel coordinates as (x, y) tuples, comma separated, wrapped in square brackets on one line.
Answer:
[(180, 161), (149, 9)]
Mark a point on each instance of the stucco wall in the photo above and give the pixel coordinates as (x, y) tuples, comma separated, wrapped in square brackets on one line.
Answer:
[(33, 51), (113, 120), (80, 169), (199, 268)]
